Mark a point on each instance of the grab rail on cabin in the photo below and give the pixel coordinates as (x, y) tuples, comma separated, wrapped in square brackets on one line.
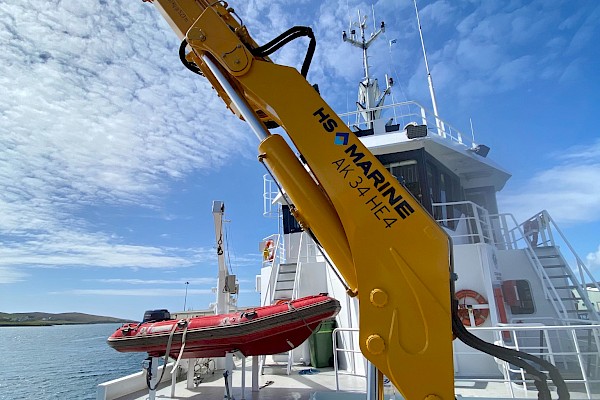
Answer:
[(338, 332)]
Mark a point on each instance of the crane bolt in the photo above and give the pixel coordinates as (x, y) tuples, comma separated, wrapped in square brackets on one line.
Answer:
[(375, 344), (379, 298)]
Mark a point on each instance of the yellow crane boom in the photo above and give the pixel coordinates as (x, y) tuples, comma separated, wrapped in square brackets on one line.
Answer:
[(388, 249)]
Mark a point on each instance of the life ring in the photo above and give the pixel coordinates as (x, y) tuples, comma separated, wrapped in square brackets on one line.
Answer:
[(479, 314), (269, 250)]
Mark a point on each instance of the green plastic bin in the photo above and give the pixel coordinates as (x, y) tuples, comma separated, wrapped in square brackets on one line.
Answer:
[(321, 345)]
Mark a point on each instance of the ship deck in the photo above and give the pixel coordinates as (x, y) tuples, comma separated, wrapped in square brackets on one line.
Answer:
[(273, 384), (318, 385)]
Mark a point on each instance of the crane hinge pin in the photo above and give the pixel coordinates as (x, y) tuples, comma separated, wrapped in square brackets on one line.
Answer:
[(196, 34)]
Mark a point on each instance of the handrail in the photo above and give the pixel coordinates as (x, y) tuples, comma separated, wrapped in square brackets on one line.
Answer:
[(444, 129), (274, 268), (270, 193), (568, 338), (583, 269), (296, 286), (542, 225), (345, 350), (480, 229), (539, 269), (295, 290), (470, 212)]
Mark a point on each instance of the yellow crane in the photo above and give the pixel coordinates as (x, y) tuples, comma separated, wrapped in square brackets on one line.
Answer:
[(388, 249)]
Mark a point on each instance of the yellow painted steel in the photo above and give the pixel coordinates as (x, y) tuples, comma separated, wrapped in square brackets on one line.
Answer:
[(180, 14), (309, 200), (409, 335), (386, 244)]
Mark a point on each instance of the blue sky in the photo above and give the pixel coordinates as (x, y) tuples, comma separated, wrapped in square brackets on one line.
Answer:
[(111, 152)]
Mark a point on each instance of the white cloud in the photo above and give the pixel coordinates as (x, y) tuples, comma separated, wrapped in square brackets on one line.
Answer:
[(569, 191), (497, 47), (593, 259), (97, 110), (67, 248), (11, 275), (441, 12), (191, 281), (146, 292)]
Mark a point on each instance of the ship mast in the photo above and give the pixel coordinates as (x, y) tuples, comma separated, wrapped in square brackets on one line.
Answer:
[(369, 94), (439, 123)]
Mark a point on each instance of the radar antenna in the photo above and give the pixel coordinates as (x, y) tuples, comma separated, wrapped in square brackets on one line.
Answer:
[(370, 97)]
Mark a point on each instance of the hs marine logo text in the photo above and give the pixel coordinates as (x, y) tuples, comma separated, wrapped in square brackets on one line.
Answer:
[(369, 172)]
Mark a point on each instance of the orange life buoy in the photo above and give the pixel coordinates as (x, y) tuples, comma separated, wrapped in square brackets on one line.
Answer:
[(269, 250), (479, 314)]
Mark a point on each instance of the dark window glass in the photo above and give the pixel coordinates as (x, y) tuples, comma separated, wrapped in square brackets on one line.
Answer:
[(407, 173), (290, 225), (517, 294)]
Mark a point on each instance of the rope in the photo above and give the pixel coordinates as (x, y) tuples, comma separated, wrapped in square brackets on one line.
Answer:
[(187, 324), (167, 351), (292, 308)]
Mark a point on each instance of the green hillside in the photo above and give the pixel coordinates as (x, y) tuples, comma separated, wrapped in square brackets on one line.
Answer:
[(46, 319)]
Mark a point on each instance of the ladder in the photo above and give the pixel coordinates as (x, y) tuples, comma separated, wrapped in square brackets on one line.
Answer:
[(285, 277), (567, 287), (287, 283), (283, 290)]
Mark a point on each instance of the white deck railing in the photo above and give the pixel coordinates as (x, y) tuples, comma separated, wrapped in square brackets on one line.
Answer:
[(573, 349), (405, 113), (467, 222)]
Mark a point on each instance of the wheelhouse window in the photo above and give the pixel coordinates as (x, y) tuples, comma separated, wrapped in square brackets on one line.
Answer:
[(429, 181), (444, 187), (407, 173)]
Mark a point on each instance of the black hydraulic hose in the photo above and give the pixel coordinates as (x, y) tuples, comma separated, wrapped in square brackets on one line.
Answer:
[(518, 358), (189, 65), (286, 37), (268, 48)]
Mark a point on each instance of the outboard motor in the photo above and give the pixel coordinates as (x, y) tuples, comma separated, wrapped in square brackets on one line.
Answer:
[(156, 315)]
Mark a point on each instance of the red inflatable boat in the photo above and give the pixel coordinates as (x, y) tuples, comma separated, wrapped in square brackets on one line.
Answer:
[(265, 330)]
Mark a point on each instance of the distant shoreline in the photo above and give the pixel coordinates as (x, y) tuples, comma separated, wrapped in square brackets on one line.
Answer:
[(58, 323), (49, 319)]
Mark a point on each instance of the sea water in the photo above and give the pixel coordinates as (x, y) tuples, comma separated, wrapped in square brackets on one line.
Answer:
[(60, 362)]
